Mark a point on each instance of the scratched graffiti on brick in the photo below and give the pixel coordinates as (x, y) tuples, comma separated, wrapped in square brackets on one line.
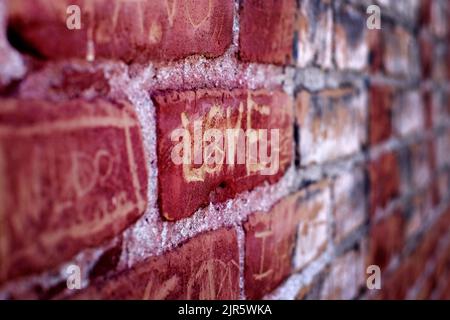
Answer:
[(214, 144), (75, 193), (123, 29)]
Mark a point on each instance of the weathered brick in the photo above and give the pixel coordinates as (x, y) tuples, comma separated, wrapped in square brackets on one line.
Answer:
[(440, 110), (394, 51), (426, 54), (265, 234), (440, 69), (205, 267), (312, 290), (396, 285), (349, 192), (129, 30), (408, 113), (434, 16), (444, 183), (421, 165), (380, 113), (332, 124), (314, 209), (185, 187), (442, 149), (376, 48), (345, 278), (267, 31), (386, 240), (351, 43), (73, 175), (315, 30), (401, 10), (384, 177), (421, 206), (12, 66), (400, 52), (297, 221)]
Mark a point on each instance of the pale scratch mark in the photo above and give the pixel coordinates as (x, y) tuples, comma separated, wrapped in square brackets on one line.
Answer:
[(90, 45), (133, 170)]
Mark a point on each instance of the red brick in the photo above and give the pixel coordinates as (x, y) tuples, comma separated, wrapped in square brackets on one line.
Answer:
[(74, 175), (297, 221), (332, 124), (426, 54), (346, 276), (12, 66), (315, 30), (267, 31), (427, 100), (386, 240), (183, 188), (349, 208), (205, 267), (380, 113), (128, 30), (384, 177), (408, 113), (350, 36)]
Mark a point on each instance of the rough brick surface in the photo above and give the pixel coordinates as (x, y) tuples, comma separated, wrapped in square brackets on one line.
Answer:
[(187, 186), (76, 194), (266, 31), (384, 177), (346, 277), (313, 230), (272, 232), (380, 113), (224, 149), (205, 267), (128, 30), (12, 66), (298, 221), (349, 192)]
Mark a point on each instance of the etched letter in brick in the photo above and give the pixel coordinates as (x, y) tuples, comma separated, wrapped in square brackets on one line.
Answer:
[(135, 30)]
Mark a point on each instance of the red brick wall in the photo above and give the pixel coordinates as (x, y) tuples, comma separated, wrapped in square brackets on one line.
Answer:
[(87, 176)]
